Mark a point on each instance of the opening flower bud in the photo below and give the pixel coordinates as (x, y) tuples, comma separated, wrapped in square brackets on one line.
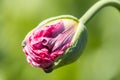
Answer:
[(55, 42)]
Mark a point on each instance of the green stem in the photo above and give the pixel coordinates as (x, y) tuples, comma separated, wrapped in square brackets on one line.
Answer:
[(98, 6)]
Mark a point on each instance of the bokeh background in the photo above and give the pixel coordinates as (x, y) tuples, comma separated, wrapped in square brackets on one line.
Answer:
[(99, 61)]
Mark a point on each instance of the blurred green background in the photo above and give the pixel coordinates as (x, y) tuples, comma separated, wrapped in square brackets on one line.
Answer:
[(99, 61)]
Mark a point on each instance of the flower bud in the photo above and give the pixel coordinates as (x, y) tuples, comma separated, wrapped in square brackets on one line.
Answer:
[(55, 42)]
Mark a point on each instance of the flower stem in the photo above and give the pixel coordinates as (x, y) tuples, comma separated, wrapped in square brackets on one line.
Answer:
[(98, 6)]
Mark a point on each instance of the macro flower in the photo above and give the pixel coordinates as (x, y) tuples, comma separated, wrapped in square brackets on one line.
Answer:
[(55, 42)]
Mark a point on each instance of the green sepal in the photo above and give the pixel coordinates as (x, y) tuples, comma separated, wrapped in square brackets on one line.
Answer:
[(74, 52)]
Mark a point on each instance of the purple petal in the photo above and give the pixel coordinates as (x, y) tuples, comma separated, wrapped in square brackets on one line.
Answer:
[(48, 43)]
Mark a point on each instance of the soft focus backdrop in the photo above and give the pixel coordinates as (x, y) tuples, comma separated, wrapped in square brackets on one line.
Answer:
[(99, 61)]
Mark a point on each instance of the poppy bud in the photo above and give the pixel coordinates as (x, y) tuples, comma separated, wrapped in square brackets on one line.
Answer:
[(55, 42)]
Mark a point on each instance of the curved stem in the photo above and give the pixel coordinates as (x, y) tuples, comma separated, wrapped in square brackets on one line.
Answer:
[(98, 6)]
